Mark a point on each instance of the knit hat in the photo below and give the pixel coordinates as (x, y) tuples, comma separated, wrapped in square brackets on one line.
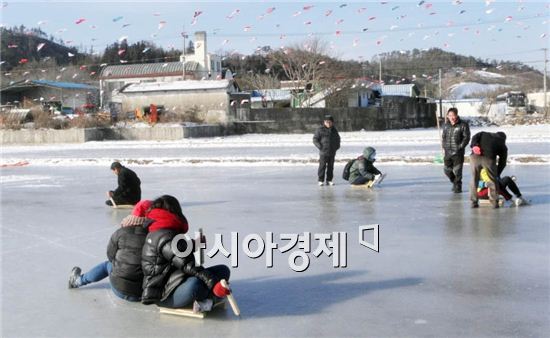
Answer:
[(141, 208), (328, 118)]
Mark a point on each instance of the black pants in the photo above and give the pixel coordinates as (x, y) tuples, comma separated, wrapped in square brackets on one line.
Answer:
[(507, 182), (452, 166), (326, 162)]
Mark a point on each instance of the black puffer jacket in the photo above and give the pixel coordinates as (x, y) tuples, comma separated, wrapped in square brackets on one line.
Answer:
[(129, 187), (164, 271), (124, 253), (492, 145), (327, 140), (456, 138)]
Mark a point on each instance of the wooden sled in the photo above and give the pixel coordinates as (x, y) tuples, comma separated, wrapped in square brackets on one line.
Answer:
[(371, 183), (485, 202), (188, 312), (121, 206), (367, 185)]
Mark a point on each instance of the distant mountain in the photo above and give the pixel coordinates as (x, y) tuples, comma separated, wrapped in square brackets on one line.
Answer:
[(31, 54), (20, 46)]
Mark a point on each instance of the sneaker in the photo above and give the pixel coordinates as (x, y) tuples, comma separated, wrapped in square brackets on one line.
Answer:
[(475, 205), (379, 178), (330, 183), (457, 189), (74, 277), (521, 201), (321, 183), (495, 204), (203, 305)]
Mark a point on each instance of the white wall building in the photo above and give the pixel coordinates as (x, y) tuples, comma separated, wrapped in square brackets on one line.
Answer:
[(198, 66)]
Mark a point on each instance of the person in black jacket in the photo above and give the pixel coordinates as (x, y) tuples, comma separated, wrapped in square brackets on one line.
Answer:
[(171, 279), (455, 138), (123, 267), (486, 148), (129, 186), (327, 140)]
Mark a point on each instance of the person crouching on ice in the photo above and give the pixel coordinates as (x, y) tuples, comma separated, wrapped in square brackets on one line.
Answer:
[(363, 171), (170, 280), (502, 185)]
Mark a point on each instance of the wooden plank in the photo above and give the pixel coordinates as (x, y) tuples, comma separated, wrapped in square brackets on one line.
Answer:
[(367, 185), (488, 202), (124, 206), (190, 312), (182, 312)]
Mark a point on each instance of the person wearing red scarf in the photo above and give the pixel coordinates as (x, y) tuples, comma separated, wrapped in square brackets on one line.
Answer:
[(169, 279)]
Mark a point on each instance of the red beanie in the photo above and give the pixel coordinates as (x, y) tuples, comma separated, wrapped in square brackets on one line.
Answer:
[(141, 208)]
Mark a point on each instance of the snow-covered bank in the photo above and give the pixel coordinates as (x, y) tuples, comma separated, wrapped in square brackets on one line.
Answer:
[(528, 144)]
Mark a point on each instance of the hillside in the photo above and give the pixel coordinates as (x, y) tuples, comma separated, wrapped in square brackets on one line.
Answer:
[(31, 54)]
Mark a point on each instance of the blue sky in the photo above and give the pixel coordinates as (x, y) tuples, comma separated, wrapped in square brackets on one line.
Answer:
[(509, 30)]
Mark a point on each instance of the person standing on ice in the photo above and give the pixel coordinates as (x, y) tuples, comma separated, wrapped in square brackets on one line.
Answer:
[(129, 186), (363, 171), (327, 140), (486, 148), (455, 138)]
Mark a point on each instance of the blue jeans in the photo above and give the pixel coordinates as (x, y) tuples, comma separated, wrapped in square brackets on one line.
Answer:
[(99, 272), (193, 289)]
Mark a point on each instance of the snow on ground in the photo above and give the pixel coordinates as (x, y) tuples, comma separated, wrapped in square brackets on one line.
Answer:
[(463, 89), (528, 144), (483, 73)]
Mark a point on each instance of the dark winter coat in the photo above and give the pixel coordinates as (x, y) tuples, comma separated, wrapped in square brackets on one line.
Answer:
[(455, 138), (492, 145), (327, 140), (363, 166), (164, 271), (129, 187), (124, 253)]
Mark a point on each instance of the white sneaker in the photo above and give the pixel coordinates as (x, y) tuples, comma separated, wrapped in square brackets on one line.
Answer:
[(330, 183), (321, 183), (379, 178), (203, 306), (521, 201)]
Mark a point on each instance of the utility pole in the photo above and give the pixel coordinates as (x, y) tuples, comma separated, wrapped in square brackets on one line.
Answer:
[(379, 69), (440, 96), (184, 34), (544, 83)]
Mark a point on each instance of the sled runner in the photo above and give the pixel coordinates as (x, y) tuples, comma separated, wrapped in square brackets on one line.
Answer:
[(120, 206), (199, 312), (488, 202), (370, 184), (191, 312)]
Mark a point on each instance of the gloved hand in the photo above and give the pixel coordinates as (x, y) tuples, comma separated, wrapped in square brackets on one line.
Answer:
[(219, 291), (476, 150)]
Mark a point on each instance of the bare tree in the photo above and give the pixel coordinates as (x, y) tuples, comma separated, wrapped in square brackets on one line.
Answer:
[(258, 81), (308, 67)]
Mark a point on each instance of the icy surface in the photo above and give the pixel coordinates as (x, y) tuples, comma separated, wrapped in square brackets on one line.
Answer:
[(443, 269)]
